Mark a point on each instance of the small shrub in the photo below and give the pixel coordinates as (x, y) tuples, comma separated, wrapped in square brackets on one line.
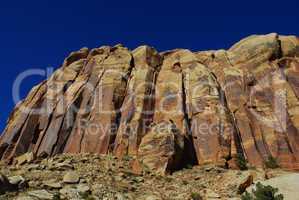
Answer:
[(247, 196), (86, 196), (83, 195), (127, 158), (185, 182), (242, 162), (252, 167), (189, 166), (196, 196), (90, 198), (271, 163), (263, 193), (56, 196), (168, 179)]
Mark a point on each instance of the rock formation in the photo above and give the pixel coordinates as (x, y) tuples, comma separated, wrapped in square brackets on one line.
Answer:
[(217, 105)]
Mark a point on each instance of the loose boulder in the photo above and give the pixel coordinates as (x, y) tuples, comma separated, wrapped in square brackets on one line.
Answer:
[(161, 150)]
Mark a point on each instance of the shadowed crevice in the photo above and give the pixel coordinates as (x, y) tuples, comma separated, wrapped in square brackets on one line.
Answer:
[(189, 152)]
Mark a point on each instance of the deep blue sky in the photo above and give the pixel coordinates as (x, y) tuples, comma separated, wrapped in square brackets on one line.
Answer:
[(39, 34)]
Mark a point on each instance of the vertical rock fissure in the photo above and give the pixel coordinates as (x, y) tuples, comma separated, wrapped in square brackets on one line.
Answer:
[(26, 135), (15, 137), (237, 137), (88, 105), (59, 132), (254, 137), (42, 134), (189, 149), (70, 113), (279, 53), (265, 143), (54, 110), (148, 109), (3, 148), (118, 106), (35, 135), (8, 149), (282, 73), (236, 132), (16, 143)]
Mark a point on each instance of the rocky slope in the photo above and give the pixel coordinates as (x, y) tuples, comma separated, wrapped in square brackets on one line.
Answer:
[(167, 110), (105, 177)]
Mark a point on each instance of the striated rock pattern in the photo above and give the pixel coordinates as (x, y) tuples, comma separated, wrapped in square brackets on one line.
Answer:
[(220, 105), (164, 142)]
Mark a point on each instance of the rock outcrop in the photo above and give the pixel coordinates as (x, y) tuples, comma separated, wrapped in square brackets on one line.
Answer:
[(224, 104)]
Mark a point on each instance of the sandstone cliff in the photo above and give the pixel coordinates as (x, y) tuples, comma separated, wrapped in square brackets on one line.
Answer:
[(167, 109)]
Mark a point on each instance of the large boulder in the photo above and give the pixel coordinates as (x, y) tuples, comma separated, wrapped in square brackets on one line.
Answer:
[(161, 150)]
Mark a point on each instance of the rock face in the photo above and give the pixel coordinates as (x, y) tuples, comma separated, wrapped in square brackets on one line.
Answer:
[(223, 104)]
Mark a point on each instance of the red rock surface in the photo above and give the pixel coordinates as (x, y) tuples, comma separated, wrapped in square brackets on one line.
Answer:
[(223, 103)]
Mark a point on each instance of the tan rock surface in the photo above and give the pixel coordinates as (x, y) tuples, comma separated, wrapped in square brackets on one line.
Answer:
[(161, 150), (224, 103)]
